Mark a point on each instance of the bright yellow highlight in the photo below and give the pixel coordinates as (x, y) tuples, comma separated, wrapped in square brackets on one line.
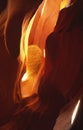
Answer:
[(24, 38), (64, 3)]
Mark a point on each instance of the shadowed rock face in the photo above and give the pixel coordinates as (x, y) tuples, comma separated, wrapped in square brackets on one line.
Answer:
[(64, 56), (3, 4)]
